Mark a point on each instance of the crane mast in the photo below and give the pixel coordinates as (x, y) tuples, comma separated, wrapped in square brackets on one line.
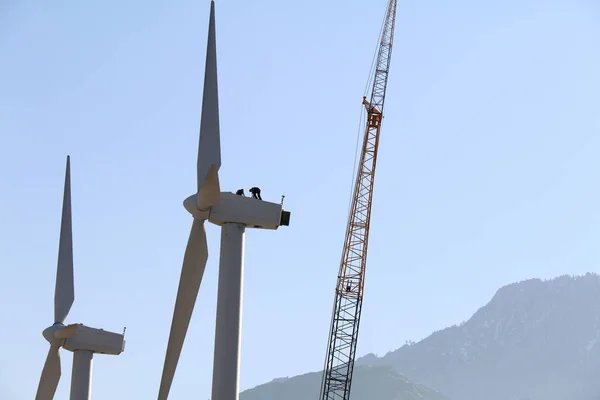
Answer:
[(343, 337)]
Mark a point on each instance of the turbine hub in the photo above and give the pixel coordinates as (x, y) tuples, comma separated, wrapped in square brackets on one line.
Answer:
[(191, 205), (50, 335)]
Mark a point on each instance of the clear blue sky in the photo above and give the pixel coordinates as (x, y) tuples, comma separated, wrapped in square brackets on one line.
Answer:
[(488, 170)]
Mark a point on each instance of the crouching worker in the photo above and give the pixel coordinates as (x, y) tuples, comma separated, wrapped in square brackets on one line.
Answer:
[(255, 193)]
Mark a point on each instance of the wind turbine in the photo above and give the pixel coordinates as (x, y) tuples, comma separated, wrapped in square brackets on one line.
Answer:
[(234, 214), (82, 340)]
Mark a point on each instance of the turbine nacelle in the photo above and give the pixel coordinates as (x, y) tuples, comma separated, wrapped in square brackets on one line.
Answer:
[(95, 340), (233, 208)]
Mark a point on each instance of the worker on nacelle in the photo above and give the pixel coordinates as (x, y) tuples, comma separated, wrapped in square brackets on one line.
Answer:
[(255, 193)]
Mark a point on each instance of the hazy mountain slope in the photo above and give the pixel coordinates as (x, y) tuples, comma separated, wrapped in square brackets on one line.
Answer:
[(534, 339), (369, 383)]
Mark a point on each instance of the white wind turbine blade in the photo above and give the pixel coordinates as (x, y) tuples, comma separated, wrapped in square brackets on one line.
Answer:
[(64, 292), (196, 253), (50, 376), (209, 146), (194, 263)]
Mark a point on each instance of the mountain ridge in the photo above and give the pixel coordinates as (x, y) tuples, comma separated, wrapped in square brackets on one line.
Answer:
[(534, 340), (368, 383), (530, 332)]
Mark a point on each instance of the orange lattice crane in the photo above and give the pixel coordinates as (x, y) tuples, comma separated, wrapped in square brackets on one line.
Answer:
[(339, 365)]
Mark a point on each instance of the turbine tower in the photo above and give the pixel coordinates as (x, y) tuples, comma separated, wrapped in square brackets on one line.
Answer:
[(233, 214), (82, 340)]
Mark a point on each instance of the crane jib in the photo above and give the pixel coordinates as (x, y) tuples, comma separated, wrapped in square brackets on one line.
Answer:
[(345, 321)]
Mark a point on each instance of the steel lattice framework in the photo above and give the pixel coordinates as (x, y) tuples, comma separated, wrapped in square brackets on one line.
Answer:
[(339, 365)]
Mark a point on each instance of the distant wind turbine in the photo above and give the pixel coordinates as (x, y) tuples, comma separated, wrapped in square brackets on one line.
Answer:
[(82, 340)]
